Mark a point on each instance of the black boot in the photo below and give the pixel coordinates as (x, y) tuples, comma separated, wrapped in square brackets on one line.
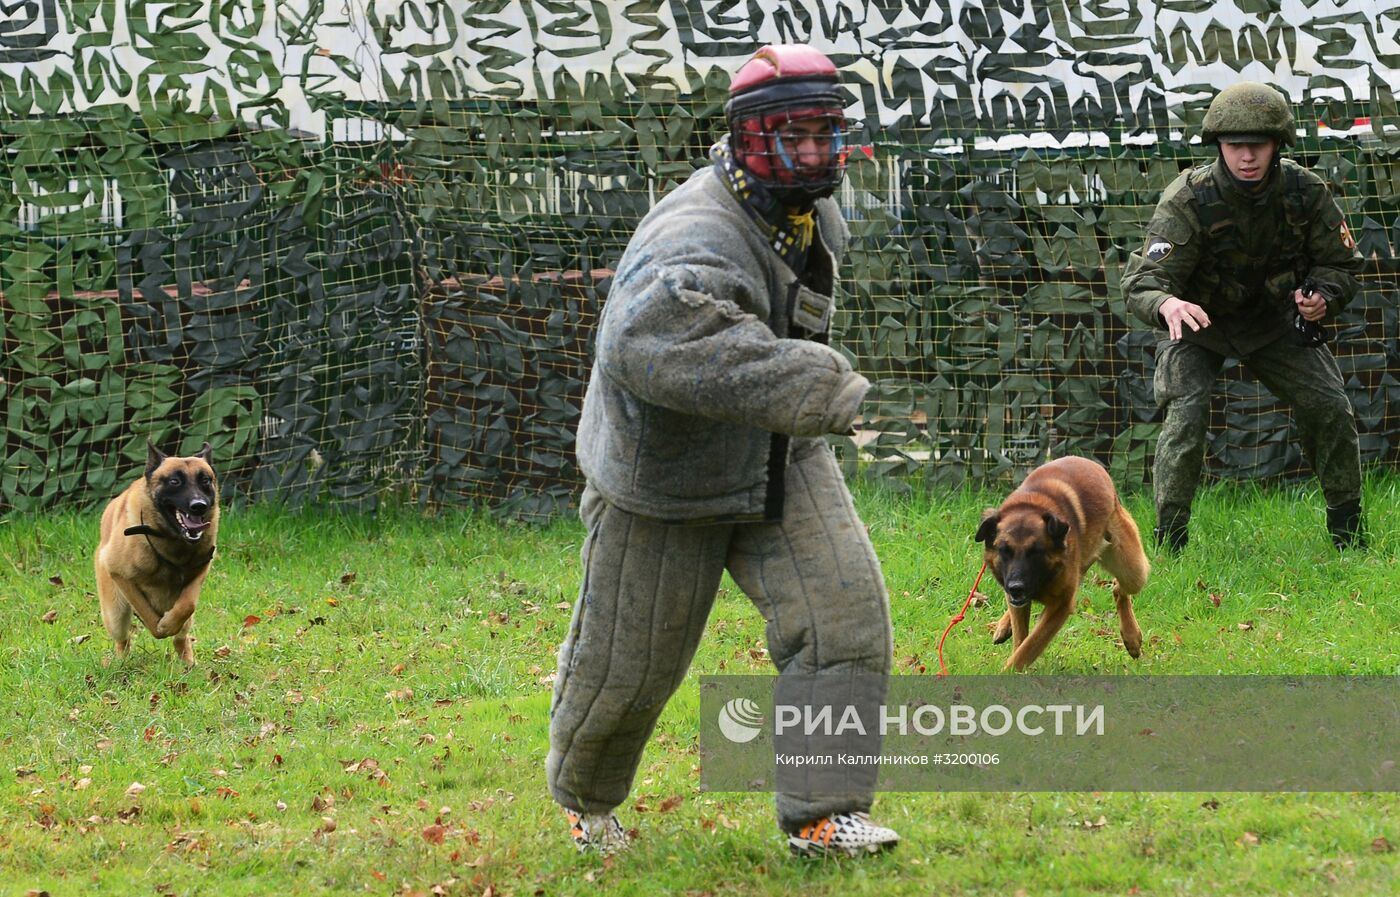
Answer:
[(1344, 523), (1171, 528)]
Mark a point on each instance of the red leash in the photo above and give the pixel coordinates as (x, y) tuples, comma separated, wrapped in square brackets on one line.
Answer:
[(942, 667)]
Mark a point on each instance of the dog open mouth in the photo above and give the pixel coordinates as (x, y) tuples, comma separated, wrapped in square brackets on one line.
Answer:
[(192, 528)]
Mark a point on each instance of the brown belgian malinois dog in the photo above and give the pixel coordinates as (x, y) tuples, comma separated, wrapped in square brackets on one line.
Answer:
[(156, 547), (1040, 542)]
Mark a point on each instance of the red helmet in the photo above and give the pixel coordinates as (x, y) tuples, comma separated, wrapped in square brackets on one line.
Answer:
[(779, 85)]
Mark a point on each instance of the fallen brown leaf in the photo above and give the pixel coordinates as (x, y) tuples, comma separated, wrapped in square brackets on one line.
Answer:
[(49, 617)]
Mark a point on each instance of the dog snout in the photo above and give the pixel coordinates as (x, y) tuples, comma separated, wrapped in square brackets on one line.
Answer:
[(1017, 593), (198, 506)]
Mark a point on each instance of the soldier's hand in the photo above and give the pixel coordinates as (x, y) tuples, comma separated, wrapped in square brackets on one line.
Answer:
[(1178, 311), (1312, 306)]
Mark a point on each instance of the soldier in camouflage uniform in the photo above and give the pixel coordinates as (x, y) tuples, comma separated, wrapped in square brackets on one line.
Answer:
[(702, 441), (1246, 258)]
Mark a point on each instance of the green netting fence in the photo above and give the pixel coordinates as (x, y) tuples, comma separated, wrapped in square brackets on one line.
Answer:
[(360, 249)]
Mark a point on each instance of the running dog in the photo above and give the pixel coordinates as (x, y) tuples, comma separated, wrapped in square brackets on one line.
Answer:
[(1041, 541), (156, 547)]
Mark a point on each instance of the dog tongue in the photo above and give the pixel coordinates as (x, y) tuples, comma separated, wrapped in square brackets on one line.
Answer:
[(192, 524)]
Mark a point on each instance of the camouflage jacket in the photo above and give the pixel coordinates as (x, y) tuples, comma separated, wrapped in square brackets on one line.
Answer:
[(702, 373), (1240, 255)]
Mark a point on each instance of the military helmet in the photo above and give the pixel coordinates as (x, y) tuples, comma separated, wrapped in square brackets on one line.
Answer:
[(779, 85), (1248, 110)]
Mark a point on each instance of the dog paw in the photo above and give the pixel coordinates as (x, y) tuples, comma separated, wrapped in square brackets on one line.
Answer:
[(1133, 646), (166, 627)]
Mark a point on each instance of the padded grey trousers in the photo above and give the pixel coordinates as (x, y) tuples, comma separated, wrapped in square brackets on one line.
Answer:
[(647, 591)]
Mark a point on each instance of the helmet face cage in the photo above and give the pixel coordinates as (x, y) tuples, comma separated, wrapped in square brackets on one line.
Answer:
[(768, 146)]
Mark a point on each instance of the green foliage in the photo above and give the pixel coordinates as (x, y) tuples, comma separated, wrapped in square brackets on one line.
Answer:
[(402, 302)]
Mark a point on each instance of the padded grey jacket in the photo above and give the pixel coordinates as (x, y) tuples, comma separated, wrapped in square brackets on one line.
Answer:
[(710, 352)]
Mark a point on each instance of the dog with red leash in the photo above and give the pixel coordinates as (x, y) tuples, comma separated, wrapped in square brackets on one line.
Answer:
[(1062, 519)]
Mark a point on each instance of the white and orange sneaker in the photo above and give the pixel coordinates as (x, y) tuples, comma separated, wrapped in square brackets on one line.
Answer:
[(600, 832), (848, 834)]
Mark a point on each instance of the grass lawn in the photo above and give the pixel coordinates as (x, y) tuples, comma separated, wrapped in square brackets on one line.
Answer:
[(369, 715)]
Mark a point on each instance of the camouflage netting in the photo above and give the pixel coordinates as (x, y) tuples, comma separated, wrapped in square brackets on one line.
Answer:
[(360, 250)]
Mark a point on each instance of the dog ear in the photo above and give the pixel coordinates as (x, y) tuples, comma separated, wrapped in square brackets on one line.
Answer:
[(154, 457), (988, 530), (206, 454), (1056, 529)]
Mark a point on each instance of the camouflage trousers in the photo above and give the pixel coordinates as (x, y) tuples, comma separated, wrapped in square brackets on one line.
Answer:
[(1306, 379), (647, 590)]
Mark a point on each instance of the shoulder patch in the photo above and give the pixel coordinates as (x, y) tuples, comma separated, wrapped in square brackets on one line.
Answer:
[(1347, 239), (1158, 249)]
